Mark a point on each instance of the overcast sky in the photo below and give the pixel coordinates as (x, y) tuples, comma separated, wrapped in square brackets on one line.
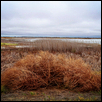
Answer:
[(51, 18)]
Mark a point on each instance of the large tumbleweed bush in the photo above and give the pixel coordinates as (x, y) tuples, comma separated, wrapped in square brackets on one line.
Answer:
[(45, 69)]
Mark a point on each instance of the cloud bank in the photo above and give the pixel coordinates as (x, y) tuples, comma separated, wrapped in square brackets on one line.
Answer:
[(51, 18)]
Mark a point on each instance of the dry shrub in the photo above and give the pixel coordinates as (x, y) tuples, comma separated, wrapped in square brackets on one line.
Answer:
[(46, 69), (80, 77), (20, 78)]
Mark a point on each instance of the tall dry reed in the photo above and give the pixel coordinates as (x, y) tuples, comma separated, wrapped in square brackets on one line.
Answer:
[(52, 45)]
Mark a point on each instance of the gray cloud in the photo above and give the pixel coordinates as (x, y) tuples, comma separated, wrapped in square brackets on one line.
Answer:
[(51, 17)]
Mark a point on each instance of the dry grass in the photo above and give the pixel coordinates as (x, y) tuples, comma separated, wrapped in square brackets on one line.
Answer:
[(63, 46), (55, 45), (45, 69)]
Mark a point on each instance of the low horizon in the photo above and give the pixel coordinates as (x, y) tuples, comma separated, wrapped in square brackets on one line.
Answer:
[(95, 36)]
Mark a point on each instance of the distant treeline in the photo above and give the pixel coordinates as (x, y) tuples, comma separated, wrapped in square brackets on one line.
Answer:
[(56, 37)]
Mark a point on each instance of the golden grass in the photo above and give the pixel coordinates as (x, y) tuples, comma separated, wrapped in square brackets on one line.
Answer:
[(46, 69)]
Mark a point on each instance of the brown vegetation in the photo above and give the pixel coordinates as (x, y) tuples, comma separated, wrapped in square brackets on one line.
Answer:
[(60, 45), (46, 69)]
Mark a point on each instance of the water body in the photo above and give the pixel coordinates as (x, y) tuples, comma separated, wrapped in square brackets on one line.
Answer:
[(98, 41)]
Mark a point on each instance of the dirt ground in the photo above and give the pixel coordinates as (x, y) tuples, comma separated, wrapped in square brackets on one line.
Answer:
[(9, 57), (54, 94)]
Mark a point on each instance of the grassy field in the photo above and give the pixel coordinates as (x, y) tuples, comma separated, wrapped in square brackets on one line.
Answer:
[(52, 64)]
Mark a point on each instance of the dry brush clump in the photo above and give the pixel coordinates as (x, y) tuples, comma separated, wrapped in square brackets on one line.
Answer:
[(80, 77), (46, 69)]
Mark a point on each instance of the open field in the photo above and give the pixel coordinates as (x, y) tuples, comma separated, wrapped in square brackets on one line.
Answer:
[(50, 70)]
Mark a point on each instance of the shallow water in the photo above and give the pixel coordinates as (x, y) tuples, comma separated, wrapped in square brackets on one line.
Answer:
[(98, 41)]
